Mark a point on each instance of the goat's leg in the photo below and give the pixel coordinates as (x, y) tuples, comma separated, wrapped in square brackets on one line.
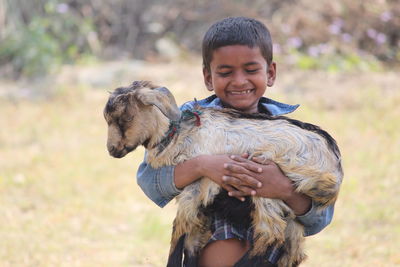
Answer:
[(269, 227), (189, 219), (293, 249)]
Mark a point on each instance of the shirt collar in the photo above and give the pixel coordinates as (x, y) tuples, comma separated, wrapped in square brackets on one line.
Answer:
[(273, 107)]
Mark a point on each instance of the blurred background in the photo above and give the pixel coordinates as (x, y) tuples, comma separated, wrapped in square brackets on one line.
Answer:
[(65, 202)]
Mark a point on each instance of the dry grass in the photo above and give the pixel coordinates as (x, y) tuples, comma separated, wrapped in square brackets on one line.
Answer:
[(65, 202)]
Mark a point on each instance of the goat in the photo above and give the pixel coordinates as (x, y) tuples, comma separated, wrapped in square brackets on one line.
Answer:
[(145, 114)]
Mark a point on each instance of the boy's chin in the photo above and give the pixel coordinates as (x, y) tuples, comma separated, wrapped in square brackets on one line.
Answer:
[(244, 108)]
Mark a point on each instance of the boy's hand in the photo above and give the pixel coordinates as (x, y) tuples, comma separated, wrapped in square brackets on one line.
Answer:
[(274, 184), (235, 177), (258, 177)]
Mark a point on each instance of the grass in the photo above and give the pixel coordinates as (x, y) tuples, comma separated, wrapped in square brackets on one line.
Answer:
[(65, 202)]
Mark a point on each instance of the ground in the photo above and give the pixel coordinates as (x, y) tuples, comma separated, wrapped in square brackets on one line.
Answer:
[(66, 202)]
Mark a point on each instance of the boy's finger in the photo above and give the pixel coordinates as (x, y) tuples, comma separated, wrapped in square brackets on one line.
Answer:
[(240, 194), (242, 180), (236, 168), (262, 160), (243, 167), (238, 158), (237, 195), (232, 181), (252, 167), (228, 187), (233, 192), (247, 191), (249, 181)]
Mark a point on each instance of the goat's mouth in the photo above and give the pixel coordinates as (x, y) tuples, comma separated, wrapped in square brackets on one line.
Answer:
[(121, 153), (146, 143)]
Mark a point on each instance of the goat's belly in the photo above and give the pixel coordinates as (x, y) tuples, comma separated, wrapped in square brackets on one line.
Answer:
[(234, 211)]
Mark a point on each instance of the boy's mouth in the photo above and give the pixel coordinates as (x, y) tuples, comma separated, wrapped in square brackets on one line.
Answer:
[(242, 92)]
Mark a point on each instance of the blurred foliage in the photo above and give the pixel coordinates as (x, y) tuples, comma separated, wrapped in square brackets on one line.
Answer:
[(332, 62), (50, 35), (37, 36)]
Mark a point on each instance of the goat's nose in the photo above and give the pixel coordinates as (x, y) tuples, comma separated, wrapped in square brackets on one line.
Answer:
[(111, 149)]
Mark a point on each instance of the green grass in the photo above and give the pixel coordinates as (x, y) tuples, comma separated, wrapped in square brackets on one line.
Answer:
[(65, 202)]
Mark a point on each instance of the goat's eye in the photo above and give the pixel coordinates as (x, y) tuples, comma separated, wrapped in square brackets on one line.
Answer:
[(124, 119), (128, 118)]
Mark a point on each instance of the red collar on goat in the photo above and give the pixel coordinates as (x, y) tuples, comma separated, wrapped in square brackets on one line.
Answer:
[(174, 127)]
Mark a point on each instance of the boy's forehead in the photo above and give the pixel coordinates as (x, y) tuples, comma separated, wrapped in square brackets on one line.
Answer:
[(243, 54), (236, 47)]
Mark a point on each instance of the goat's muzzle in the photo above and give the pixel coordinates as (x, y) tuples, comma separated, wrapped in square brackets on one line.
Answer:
[(119, 153)]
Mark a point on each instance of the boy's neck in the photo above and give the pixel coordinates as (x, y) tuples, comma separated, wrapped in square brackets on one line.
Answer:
[(260, 108)]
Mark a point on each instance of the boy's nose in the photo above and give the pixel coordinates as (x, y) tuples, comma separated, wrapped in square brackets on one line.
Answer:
[(239, 79)]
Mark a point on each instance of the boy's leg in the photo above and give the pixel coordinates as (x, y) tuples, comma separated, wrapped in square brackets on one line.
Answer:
[(223, 253)]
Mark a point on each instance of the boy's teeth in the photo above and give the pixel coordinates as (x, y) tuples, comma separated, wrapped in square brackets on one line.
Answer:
[(241, 92)]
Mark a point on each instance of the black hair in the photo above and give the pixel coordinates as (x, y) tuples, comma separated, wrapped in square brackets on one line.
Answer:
[(236, 31)]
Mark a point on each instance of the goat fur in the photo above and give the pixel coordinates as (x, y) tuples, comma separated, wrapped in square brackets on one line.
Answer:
[(141, 114)]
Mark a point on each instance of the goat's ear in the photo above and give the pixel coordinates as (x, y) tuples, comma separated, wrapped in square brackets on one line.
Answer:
[(123, 98), (162, 98)]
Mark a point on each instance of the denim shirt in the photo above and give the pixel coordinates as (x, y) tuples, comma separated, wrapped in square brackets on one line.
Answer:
[(158, 184)]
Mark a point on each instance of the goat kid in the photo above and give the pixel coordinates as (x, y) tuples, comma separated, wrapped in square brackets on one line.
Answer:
[(144, 114)]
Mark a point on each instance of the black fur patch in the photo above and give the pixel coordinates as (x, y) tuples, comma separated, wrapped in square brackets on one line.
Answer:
[(175, 259), (231, 209), (109, 108)]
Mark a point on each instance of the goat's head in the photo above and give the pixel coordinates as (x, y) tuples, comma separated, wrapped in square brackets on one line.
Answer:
[(133, 117)]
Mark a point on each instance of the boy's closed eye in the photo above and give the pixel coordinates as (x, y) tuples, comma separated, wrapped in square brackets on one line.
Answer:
[(224, 70), (252, 70), (227, 73), (224, 74)]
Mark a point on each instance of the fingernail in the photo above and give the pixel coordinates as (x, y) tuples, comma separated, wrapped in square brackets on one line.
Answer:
[(230, 194), (224, 178), (259, 170), (232, 157), (253, 193), (225, 165), (242, 199), (259, 185)]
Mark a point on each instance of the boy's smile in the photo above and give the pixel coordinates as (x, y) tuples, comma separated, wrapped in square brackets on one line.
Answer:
[(239, 75)]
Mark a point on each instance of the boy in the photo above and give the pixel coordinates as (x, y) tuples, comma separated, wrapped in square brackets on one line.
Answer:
[(238, 67)]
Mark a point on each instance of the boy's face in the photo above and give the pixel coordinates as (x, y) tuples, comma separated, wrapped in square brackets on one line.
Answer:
[(239, 75)]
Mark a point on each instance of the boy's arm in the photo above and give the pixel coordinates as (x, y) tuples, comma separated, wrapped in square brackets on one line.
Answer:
[(157, 184), (316, 220), (212, 167), (161, 185)]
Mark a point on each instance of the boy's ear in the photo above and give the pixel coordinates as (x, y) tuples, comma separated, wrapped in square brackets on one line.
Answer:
[(207, 79), (271, 74)]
